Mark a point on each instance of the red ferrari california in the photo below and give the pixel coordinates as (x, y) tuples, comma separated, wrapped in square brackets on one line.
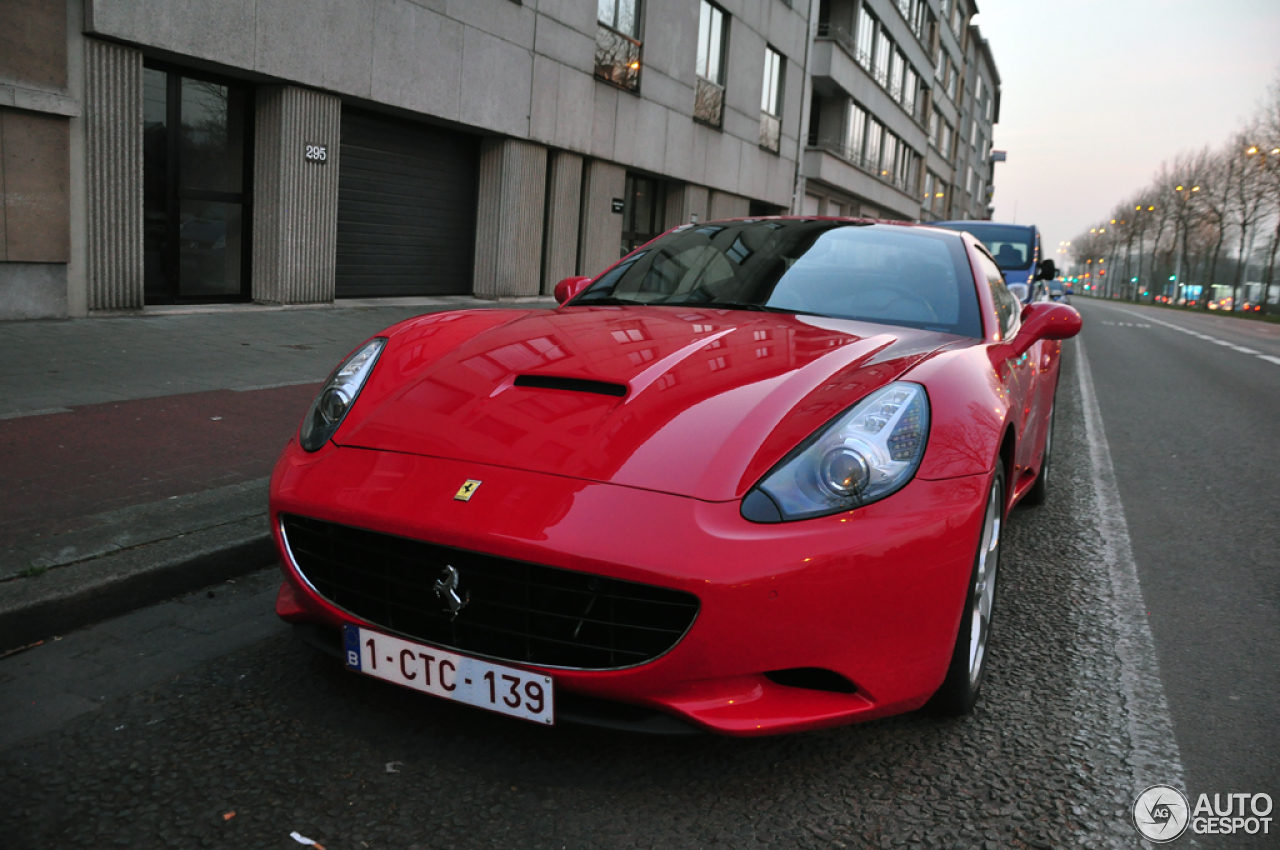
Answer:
[(751, 480)]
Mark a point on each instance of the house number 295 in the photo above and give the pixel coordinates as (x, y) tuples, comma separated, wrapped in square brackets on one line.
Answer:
[(317, 153)]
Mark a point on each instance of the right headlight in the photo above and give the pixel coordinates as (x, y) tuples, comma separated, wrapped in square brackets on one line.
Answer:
[(337, 395), (866, 453)]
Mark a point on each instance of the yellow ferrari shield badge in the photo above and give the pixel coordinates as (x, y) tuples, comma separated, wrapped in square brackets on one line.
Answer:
[(467, 490)]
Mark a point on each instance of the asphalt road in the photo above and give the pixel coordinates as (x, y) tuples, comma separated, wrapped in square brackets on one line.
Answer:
[(1191, 405), (201, 722)]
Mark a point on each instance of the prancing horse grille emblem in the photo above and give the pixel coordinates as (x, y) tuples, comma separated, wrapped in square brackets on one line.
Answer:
[(446, 588)]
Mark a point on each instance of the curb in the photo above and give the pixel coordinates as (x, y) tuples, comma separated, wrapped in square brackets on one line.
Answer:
[(71, 597)]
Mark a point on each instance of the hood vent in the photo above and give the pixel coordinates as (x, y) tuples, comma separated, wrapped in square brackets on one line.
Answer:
[(577, 385)]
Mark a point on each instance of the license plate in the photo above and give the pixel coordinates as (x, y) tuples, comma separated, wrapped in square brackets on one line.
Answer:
[(506, 690)]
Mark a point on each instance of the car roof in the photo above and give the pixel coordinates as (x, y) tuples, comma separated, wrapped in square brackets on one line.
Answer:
[(979, 224)]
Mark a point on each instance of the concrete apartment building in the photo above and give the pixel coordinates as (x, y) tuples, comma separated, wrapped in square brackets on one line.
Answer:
[(160, 152)]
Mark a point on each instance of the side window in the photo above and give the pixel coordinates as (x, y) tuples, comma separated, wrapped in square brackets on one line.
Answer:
[(1008, 310)]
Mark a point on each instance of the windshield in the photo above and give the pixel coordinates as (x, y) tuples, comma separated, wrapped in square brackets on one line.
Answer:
[(1012, 245), (872, 272)]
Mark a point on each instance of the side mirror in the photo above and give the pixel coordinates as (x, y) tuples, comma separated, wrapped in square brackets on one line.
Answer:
[(1045, 320), (570, 287), (1048, 270)]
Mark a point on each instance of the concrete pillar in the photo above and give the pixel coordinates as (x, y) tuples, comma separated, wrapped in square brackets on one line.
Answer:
[(295, 197), (684, 201), (724, 205), (602, 183), (113, 165), (564, 207), (509, 211)]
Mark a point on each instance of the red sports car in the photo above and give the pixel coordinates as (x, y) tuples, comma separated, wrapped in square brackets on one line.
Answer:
[(750, 480)]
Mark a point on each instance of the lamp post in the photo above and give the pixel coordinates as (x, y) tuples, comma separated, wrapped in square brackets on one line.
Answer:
[(1183, 195), (1267, 160)]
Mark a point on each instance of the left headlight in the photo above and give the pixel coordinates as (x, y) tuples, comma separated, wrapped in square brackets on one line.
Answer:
[(337, 395), (866, 453)]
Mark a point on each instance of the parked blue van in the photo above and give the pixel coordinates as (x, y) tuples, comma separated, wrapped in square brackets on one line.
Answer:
[(1016, 249)]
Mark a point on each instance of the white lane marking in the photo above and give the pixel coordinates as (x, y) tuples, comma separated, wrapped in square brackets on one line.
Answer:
[(1155, 757), (1224, 343)]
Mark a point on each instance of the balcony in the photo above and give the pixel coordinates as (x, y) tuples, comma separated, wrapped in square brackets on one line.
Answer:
[(708, 103), (844, 38), (617, 58), (770, 132), (839, 65), (862, 163)]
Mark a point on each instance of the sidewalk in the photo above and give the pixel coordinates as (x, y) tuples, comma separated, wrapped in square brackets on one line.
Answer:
[(135, 450)]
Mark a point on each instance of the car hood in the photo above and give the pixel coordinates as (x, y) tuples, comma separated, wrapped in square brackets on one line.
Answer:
[(694, 402)]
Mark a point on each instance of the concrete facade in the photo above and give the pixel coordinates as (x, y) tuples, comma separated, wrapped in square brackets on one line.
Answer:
[(113, 126), (923, 99), (513, 178), (563, 219), (556, 139), (296, 210)]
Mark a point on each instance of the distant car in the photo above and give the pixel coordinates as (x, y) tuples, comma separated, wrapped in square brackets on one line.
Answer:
[(1059, 292), (1017, 250), (752, 477)]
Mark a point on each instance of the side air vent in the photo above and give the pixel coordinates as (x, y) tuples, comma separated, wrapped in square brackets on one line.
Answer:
[(813, 678), (577, 385)]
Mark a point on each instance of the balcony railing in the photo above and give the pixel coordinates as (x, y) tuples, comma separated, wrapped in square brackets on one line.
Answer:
[(841, 150), (770, 132), (708, 102), (617, 58)]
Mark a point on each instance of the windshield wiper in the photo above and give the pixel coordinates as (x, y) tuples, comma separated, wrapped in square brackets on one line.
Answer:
[(606, 300), (759, 308)]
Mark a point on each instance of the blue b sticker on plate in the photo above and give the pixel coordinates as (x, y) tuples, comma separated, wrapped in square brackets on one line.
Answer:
[(351, 642)]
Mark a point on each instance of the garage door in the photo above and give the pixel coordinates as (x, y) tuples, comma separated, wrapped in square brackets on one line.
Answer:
[(406, 208)]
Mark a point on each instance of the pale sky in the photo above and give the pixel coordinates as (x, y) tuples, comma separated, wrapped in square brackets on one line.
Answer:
[(1097, 93)]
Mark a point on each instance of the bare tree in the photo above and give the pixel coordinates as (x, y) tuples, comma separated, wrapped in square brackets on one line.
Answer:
[(1268, 176), (1247, 203)]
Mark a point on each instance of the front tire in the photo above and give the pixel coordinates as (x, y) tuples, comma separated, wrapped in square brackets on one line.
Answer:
[(960, 689)]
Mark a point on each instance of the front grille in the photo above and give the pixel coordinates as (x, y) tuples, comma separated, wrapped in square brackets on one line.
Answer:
[(516, 611)]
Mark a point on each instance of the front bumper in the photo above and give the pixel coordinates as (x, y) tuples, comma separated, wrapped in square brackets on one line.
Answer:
[(873, 595)]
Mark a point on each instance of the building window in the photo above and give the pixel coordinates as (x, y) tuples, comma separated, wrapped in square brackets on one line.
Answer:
[(904, 176), (866, 37), (196, 173), (875, 137), (617, 42), (910, 85), (880, 62), (771, 100), (890, 156), (899, 64), (713, 31), (857, 134), (643, 211)]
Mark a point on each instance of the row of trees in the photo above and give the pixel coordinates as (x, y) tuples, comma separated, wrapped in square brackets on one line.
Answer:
[(1207, 218)]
